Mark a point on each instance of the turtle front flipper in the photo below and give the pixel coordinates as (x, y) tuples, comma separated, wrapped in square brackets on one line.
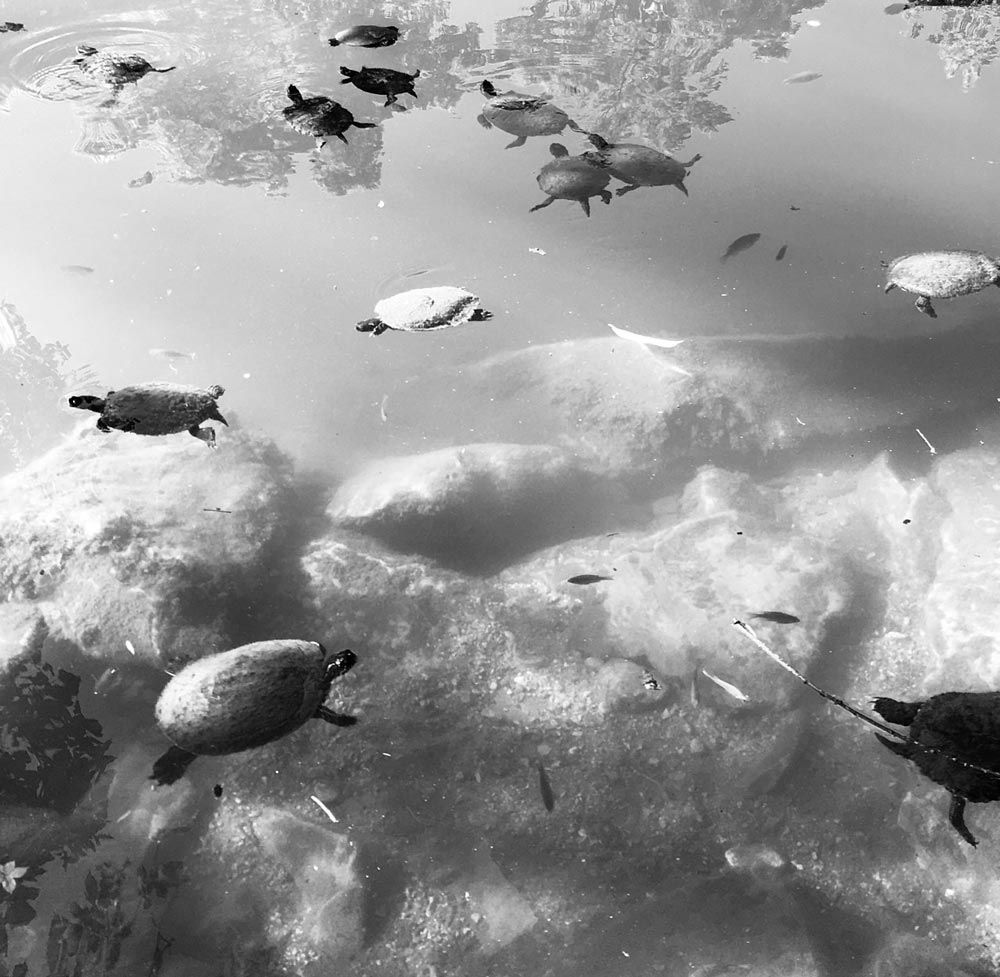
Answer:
[(541, 205), (956, 816), (606, 196), (483, 121), (102, 426), (336, 718), (585, 205), (896, 712), (905, 750), (206, 434), (924, 304), (683, 189), (480, 315), (621, 191), (170, 767), (520, 141), (389, 100)]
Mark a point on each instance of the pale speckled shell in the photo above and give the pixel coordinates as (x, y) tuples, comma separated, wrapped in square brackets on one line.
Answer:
[(236, 700), (537, 120), (943, 274), (572, 178), (427, 308), (639, 164)]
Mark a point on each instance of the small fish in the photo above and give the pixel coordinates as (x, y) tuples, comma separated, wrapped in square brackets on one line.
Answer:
[(740, 244), (695, 690), (585, 578), (649, 682), (217, 509), (726, 686), (548, 798), (324, 808), (781, 252), (777, 617), (129, 647), (381, 409), (142, 181), (217, 790), (801, 77), (896, 8), (80, 270), (170, 354), (793, 207)]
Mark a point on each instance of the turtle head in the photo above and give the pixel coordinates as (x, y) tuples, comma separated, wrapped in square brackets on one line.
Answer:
[(85, 50), (87, 402), (371, 325), (487, 88), (598, 142), (294, 94), (336, 665), (558, 150), (215, 391), (348, 74)]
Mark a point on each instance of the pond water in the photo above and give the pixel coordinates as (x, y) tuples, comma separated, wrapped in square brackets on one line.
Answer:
[(178, 229)]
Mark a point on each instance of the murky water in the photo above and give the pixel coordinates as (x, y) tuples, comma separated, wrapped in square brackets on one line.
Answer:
[(178, 229)]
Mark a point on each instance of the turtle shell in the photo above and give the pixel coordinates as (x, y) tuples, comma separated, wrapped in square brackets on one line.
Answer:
[(366, 35), (113, 69), (381, 81), (423, 309), (318, 116), (240, 699), (533, 118), (160, 408), (942, 274), (965, 725), (639, 164), (572, 178)]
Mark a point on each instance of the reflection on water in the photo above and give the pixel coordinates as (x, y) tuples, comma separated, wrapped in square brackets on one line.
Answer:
[(535, 534)]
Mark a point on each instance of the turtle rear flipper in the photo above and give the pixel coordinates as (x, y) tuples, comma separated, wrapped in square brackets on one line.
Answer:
[(924, 305), (621, 191), (956, 817), (214, 415), (363, 125), (683, 189), (483, 121), (170, 767), (541, 205), (905, 750), (206, 434), (896, 712)]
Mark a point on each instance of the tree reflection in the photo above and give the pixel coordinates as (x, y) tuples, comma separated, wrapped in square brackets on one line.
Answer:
[(967, 40), (32, 375)]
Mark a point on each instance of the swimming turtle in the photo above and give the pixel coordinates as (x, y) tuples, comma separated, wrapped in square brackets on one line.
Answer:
[(156, 408), (963, 731), (366, 35), (941, 275), (237, 700), (320, 116), (639, 166), (522, 115), (9, 25), (381, 81), (572, 178), (115, 70), (424, 310)]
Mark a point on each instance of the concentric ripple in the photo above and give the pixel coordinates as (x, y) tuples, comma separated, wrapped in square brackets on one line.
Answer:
[(43, 64)]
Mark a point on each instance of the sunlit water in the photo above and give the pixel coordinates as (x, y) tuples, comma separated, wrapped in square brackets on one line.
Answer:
[(184, 214)]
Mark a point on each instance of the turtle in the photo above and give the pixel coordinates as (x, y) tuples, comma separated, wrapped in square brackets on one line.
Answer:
[(639, 166), (9, 25), (237, 700), (156, 408), (381, 81), (366, 35), (425, 310), (941, 275), (320, 116), (116, 70), (572, 178), (962, 733), (522, 115)]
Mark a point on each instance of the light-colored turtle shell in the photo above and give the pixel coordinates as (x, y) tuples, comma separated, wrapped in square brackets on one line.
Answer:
[(427, 308), (160, 408), (240, 699), (942, 274)]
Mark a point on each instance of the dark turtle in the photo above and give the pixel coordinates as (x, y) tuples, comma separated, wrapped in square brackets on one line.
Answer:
[(522, 115), (572, 178), (320, 116), (156, 408), (941, 275), (9, 25), (424, 310), (116, 70), (639, 166), (240, 699), (381, 81), (962, 730), (366, 35)]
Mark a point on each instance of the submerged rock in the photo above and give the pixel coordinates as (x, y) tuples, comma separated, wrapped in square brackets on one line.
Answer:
[(121, 543), (476, 506)]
